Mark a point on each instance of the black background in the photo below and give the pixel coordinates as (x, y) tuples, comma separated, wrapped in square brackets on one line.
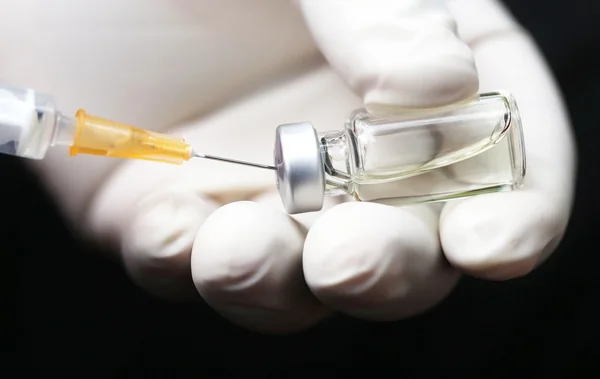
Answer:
[(71, 314)]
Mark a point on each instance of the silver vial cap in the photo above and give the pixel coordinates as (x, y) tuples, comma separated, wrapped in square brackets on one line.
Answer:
[(300, 171)]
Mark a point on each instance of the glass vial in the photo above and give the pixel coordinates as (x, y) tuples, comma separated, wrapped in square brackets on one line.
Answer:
[(466, 149)]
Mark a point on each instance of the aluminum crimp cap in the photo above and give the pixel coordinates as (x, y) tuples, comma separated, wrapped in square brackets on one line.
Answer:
[(300, 171)]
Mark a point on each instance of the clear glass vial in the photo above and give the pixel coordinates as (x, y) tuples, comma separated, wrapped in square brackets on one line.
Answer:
[(466, 149)]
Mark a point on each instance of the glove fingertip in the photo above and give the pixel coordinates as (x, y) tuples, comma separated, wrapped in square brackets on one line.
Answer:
[(156, 243), (500, 236), (388, 267), (404, 54), (246, 263), (413, 86)]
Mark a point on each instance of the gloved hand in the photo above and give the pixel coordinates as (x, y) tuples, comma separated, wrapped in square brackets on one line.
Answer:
[(224, 75)]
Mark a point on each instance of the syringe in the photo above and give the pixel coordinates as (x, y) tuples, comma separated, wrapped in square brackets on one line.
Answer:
[(467, 149), (30, 124)]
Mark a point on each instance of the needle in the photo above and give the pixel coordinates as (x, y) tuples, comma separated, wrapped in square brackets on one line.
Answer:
[(221, 159)]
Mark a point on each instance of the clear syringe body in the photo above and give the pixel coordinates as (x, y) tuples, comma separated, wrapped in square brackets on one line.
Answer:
[(30, 123), (462, 150)]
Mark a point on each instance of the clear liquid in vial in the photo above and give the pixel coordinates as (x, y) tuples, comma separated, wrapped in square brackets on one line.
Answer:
[(469, 149)]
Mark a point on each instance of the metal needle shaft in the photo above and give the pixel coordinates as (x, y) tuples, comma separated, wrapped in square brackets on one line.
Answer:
[(235, 161)]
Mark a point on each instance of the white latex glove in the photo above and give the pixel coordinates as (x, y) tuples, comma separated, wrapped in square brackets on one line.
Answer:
[(237, 69)]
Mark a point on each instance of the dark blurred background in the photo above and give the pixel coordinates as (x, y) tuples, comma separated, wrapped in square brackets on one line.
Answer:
[(71, 314)]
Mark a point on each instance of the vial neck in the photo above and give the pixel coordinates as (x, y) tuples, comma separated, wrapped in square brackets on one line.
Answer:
[(339, 157)]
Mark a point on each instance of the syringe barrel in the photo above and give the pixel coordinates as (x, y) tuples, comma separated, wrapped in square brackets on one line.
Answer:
[(27, 122)]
